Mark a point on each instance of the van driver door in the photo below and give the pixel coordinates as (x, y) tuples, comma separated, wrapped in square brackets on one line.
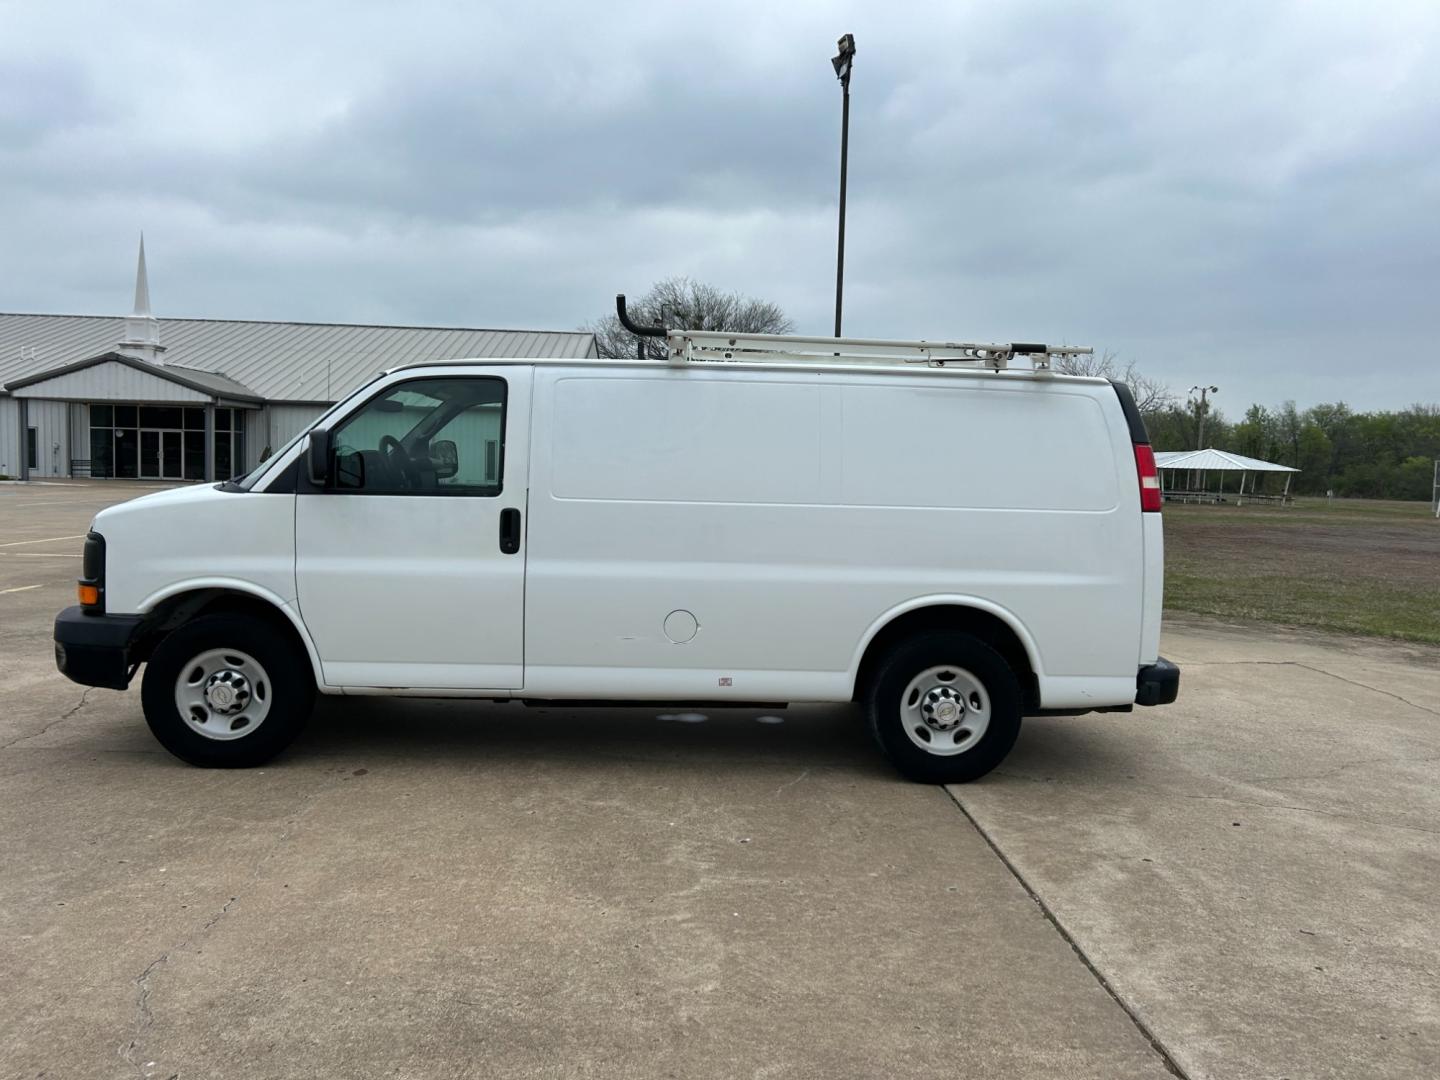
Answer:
[(409, 559)]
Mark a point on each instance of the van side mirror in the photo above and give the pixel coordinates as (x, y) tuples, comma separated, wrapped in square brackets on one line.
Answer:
[(317, 455), (445, 458)]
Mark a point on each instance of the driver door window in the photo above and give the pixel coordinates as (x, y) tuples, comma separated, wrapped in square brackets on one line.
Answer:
[(429, 436)]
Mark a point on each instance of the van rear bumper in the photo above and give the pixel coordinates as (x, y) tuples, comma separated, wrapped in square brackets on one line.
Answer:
[(94, 650), (1157, 683)]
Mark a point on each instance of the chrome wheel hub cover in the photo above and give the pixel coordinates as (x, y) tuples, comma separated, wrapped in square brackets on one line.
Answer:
[(943, 709), (227, 692)]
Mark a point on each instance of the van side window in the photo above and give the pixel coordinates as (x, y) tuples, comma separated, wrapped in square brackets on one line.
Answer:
[(436, 436)]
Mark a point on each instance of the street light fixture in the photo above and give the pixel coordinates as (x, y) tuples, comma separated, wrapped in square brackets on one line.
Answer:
[(843, 61)]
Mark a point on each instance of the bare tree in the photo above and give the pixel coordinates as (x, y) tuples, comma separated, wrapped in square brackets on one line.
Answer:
[(683, 304), (1151, 395)]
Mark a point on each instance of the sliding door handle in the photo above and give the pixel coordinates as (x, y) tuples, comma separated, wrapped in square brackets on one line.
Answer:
[(509, 530)]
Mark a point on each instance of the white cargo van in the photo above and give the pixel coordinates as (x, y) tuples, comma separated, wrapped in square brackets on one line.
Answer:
[(950, 539)]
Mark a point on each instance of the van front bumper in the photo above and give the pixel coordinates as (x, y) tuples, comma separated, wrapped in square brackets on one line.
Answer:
[(94, 650), (1157, 683)]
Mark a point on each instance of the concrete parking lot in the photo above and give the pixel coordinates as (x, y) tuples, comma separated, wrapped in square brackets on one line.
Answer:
[(1243, 884)]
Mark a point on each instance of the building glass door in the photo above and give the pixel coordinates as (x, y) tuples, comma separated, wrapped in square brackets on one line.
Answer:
[(161, 454)]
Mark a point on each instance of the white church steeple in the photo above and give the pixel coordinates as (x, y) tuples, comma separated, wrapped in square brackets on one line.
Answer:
[(142, 329)]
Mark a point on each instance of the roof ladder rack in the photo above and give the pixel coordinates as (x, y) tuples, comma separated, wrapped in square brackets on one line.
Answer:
[(692, 346), (706, 345)]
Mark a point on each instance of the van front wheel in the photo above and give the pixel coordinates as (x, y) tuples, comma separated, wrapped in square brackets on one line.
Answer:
[(945, 707), (227, 691)]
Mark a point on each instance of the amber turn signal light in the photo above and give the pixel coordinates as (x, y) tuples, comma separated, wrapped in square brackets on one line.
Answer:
[(89, 595)]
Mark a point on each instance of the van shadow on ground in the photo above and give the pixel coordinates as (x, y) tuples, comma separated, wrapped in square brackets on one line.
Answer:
[(831, 736), (419, 729)]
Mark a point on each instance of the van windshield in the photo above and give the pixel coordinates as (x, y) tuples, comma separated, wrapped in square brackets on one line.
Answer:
[(247, 481)]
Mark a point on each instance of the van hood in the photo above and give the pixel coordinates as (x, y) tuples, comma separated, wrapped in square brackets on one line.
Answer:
[(171, 497)]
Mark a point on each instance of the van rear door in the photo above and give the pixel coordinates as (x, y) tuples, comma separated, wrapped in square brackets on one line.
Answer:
[(409, 562)]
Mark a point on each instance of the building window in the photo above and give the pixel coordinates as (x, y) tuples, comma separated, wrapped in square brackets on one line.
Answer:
[(152, 442), (127, 453), (102, 450), (165, 417), (229, 443), (194, 454), (32, 448)]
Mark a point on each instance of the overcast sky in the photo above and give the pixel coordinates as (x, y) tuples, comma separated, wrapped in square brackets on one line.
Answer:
[(1235, 193)]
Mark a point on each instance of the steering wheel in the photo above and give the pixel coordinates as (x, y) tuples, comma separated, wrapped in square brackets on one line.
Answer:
[(395, 454)]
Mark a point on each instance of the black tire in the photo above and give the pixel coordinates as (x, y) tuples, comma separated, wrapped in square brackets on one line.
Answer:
[(973, 658), (281, 679)]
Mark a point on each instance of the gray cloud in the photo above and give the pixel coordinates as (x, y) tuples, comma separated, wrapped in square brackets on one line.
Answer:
[(1242, 195)]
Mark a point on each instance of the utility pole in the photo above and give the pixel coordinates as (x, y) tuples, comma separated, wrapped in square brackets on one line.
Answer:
[(1201, 410), (842, 63)]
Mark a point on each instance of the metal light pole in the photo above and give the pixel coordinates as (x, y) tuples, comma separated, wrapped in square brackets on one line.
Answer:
[(1200, 435), (843, 62), (1204, 390)]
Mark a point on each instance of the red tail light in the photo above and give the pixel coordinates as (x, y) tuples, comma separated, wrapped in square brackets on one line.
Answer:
[(1150, 498)]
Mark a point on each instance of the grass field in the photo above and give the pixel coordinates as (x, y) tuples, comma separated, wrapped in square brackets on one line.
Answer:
[(1358, 567)]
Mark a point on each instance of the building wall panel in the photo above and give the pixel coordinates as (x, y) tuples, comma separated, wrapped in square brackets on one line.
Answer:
[(79, 432), (287, 421), (112, 382), (11, 445), (257, 435), (50, 421)]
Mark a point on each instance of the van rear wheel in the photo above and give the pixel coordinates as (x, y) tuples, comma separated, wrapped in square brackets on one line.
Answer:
[(227, 691), (945, 707)]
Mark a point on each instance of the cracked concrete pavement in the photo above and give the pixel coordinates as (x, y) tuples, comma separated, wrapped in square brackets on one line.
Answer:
[(1256, 874), (1246, 878)]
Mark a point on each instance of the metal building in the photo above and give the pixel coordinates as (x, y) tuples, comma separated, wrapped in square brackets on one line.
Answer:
[(199, 399)]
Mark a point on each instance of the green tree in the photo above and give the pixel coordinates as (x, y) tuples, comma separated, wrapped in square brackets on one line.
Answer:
[(1415, 478), (1380, 455), (1171, 428), (1254, 435), (1314, 459), (1288, 423)]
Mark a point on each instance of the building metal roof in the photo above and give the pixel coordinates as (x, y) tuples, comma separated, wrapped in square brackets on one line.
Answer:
[(278, 361), (1215, 461)]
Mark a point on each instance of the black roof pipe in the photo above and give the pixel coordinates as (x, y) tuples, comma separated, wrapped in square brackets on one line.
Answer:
[(640, 331)]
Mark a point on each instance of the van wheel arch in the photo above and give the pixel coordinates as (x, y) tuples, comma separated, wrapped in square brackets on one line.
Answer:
[(175, 611), (984, 625)]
